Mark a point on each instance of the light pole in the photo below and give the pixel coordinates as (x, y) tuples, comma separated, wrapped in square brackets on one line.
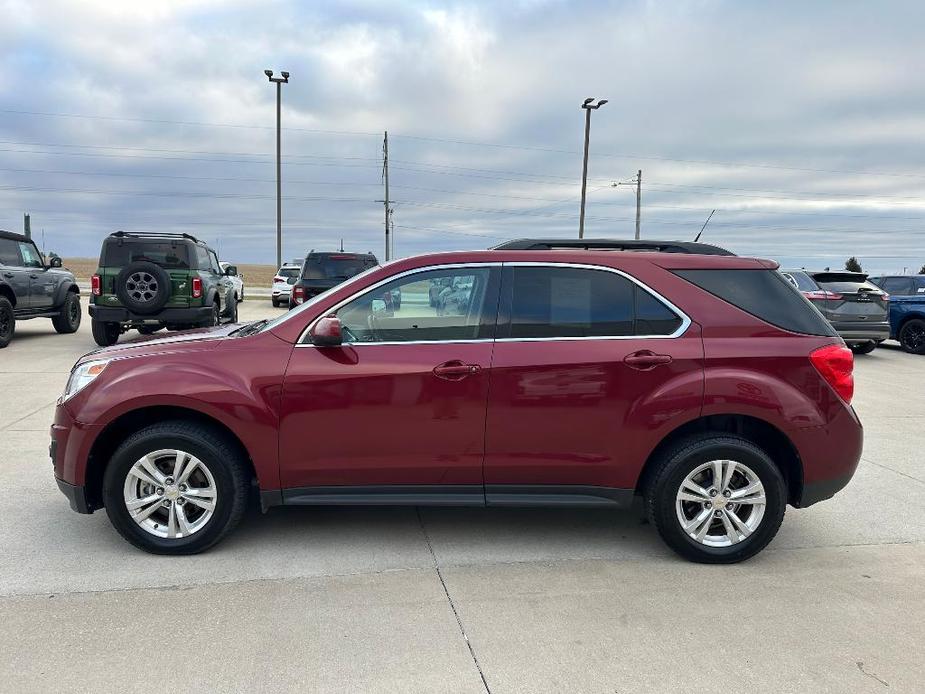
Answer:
[(588, 106), (280, 81)]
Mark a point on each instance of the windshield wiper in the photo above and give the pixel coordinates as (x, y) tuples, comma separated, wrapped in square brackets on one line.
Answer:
[(251, 328)]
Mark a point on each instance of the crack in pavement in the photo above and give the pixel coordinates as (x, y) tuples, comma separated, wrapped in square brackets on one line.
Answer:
[(449, 598), (887, 467), (860, 665)]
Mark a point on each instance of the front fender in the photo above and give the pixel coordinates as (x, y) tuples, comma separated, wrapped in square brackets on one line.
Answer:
[(63, 289)]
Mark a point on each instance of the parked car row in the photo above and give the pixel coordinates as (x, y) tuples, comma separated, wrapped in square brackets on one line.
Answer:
[(144, 281), (697, 380)]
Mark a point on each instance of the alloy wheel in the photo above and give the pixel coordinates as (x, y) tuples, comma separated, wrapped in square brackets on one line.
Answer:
[(170, 493), (720, 503), (914, 337), (141, 286)]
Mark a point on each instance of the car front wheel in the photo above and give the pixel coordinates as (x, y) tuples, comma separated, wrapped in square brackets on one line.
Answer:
[(7, 322), (716, 498), (175, 488), (912, 336)]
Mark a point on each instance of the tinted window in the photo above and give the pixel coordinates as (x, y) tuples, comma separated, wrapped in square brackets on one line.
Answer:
[(427, 306), (652, 316), (167, 255), (897, 286), (216, 268), (841, 283), (569, 302), (288, 272), (764, 294), (919, 285), (336, 265), (800, 280), (202, 258), (9, 253)]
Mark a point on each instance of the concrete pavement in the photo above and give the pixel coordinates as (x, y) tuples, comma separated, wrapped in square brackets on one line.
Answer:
[(461, 600)]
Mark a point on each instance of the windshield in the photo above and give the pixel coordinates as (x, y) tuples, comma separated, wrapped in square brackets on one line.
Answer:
[(356, 279), (335, 265)]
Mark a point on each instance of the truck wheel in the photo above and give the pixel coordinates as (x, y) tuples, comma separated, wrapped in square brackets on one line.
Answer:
[(912, 336), (176, 487), (143, 287), (68, 320), (233, 312), (7, 322), (105, 334), (275, 302), (716, 498)]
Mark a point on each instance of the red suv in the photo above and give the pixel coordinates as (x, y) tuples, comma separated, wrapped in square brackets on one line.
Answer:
[(563, 373)]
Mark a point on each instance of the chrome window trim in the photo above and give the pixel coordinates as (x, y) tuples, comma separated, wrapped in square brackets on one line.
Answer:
[(685, 319), (427, 268)]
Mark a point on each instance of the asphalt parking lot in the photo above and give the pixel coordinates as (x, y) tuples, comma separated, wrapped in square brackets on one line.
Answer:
[(461, 600)]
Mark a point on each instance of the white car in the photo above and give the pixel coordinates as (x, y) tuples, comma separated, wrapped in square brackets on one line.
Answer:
[(282, 282), (236, 280)]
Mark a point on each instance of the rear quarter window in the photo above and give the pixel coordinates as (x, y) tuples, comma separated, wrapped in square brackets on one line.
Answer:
[(765, 294)]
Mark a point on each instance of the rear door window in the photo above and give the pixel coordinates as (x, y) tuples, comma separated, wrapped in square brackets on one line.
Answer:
[(765, 294), (9, 253), (550, 302)]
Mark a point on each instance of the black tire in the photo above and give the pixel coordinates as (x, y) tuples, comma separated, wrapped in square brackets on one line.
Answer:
[(149, 329), (143, 287), (864, 347), (223, 459), (216, 317), (233, 311), (68, 320), (912, 336), (105, 334), (7, 322), (671, 469), (275, 302)]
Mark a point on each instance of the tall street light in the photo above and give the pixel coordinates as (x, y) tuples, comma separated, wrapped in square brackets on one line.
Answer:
[(280, 81), (588, 106)]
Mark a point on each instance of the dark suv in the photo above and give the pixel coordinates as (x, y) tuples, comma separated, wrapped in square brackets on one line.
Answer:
[(907, 309), (702, 383), (31, 289), (149, 281), (856, 308), (323, 270)]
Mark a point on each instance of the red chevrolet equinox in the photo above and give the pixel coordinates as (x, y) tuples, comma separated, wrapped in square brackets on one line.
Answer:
[(538, 373)]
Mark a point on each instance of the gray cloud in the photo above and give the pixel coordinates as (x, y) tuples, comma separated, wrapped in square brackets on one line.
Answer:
[(801, 123)]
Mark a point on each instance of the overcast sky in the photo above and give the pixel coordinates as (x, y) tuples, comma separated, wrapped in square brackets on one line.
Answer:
[(802, 124)]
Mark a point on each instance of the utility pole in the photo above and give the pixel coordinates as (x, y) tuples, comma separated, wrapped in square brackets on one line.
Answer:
[(588, 107), (280, 81), (27, 225), (638, 199), (385, 178)]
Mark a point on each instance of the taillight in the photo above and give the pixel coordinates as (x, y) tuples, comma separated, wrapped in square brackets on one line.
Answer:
[(885, 296), (96, 285), (279, 279), (298, 295), (835, 363), (821, 295), (197, 287)]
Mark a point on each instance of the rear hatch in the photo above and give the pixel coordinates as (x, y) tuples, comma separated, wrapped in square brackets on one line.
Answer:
[(850, 297), (173, 257)]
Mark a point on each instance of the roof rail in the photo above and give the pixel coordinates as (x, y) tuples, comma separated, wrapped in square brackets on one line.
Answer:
[(611, 245), (154, 234)]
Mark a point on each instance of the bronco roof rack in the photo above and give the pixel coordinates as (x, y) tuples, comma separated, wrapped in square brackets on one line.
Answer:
[(611, 245), (154, 235)]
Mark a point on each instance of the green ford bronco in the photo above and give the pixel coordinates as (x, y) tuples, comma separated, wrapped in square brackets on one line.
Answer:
[(149, 281)]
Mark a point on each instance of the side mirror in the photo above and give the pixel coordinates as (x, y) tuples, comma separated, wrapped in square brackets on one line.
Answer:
[(231, 271), (55, 262), (327, 332)]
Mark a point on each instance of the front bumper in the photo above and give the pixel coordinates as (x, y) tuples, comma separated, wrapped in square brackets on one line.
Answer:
[(862, 331), (112, 314), (76, 496)]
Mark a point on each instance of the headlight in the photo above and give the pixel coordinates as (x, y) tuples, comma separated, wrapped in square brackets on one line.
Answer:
[(82, 375)]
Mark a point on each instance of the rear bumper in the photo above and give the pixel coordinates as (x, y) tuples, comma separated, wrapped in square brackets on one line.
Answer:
[(862, 330), (815, 492), (830, 455), (111, 314)]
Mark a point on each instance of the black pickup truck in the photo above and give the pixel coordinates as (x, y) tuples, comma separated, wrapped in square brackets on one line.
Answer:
[(31, 289)]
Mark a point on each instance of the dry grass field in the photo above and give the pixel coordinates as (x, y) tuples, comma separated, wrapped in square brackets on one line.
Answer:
[(254, 275)]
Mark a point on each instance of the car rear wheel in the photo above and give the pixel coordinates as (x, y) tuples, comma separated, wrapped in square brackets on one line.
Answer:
[(7, 322), (175, 488), (716, 498), (864, 347), (912, 336), (275, 302), (233, 311), (68, 320), (105, 334)]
